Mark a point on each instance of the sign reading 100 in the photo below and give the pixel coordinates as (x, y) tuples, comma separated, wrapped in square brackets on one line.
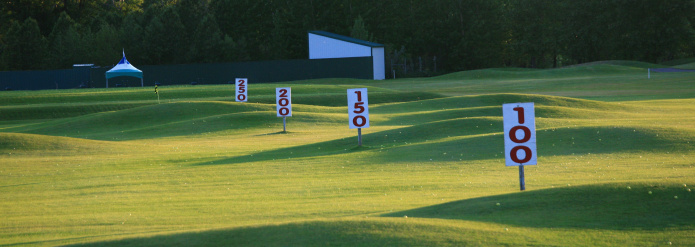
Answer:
[(519, 134)]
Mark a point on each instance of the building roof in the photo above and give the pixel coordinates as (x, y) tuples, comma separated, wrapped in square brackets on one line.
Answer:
[(346, 39)]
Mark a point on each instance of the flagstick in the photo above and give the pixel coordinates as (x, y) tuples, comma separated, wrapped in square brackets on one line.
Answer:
[(157, 93)]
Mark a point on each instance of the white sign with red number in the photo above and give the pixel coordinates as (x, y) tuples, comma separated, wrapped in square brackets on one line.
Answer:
[(283, 100), (241, 89), (358, 108), (519, 134)]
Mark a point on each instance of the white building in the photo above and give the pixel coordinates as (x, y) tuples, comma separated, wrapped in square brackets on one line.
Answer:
[(329, 45)]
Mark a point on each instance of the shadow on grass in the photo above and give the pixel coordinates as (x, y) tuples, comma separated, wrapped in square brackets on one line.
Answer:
[(480, 139), (607, 206), (316, 233), (275, 133), (602, 207), (492, 100), (373, 141)]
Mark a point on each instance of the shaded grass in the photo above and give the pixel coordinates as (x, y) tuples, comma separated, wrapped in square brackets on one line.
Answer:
[(612, 81), (54, 111), (17, 143), (465, 102), (389, 232), (625, 206)]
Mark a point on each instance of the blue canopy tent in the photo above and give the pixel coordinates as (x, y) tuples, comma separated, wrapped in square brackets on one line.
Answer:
[(123, 68)]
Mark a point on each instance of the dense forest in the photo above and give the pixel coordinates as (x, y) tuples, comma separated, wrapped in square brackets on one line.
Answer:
[(421, 36)]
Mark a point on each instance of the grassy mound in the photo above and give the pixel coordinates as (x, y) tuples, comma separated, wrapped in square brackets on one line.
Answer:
[(478, 221), (686, 66), (623, 206), (599, 68), (372, 232), (491, 100), (678, 62), (16, 143), (152, 121), (54, 111)]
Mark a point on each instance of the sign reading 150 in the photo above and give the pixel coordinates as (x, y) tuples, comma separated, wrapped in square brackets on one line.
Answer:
[(358, 108), (519, 134), (241, 92)]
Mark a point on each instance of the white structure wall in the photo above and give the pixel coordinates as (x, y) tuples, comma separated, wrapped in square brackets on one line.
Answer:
[(328, 45), (379, 66), (325, 47)]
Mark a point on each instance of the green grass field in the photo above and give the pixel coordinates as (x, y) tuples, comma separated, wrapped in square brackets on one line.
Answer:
[(112, 167)]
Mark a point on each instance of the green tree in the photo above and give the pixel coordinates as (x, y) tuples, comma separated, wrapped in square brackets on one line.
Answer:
[(103, 45), (128, 6), (234, 51), (588, 28), (475, 38), (42, 11), (163, 39), (25, 47), (65, 46), (535, 26), (653, 30), (193, 11), (132, 36), (246, 20), (359, 30), (205, 46)]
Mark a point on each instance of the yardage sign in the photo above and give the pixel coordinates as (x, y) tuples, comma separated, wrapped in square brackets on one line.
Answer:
[(519, 134), (241, 89), (358, 108), (283, 100)]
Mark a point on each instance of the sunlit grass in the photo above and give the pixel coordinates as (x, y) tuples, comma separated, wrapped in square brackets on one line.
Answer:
[(200, 169)]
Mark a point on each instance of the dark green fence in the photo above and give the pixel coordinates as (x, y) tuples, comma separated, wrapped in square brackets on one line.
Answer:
[(44, 79), (219, 73)]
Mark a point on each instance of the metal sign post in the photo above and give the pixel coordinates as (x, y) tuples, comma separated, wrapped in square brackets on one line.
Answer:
[(522, 180), (359, 136)]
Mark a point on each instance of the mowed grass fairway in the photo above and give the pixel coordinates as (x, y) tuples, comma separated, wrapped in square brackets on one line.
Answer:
[(112, 167)]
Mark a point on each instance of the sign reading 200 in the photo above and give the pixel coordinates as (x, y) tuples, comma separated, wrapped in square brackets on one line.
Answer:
[(283, 97)]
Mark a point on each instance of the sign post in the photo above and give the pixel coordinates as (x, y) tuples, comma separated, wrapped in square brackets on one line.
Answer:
[(520, 137), (358, 111), (283, 101), (241, 90)]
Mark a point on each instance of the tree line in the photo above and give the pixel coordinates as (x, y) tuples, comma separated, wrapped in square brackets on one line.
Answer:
[(421, 36)]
